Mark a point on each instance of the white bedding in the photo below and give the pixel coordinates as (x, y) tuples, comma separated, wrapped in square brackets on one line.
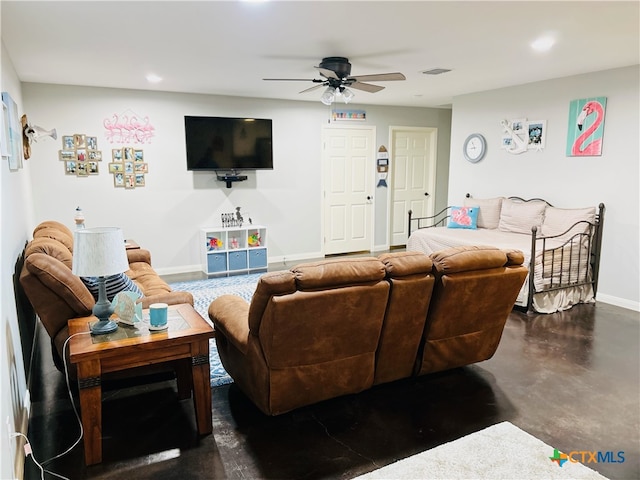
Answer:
[(429, 240)]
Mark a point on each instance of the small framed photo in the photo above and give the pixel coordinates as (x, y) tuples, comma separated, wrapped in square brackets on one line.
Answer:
[(138, 156), (67, 142), (129, 181), (70, 167), (92, 143), (92, 167), (128, 167), (79, 141), (95, 155), (116, 154), (116, 167), (82, 154), (141, 167), (139, 180), (128, 154), (118, 179), (537, 134), (67, 155), (81, 169)]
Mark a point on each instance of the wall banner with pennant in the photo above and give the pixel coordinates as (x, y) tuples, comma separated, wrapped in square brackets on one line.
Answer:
[(383, 166)]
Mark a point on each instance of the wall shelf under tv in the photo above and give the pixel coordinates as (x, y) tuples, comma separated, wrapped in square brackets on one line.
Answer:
[(229, 178)]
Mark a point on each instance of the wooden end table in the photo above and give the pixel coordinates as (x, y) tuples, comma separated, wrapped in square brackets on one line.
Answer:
[(185, 340)]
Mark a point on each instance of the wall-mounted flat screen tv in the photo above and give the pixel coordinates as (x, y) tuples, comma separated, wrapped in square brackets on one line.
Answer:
[(222, 143)]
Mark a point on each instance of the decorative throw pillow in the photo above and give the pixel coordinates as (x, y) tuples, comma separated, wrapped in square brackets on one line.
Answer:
[(463, 217), (519, 217), (558, 220), (114, 283), (489, 214)]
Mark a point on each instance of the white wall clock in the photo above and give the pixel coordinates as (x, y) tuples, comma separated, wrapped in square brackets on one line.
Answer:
[(474, 148)]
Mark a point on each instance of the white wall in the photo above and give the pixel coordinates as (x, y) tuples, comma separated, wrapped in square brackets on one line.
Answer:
[(612, 178), (165, 215), (16, 208)]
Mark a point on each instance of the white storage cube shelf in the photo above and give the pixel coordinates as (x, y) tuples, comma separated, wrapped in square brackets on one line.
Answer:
[(234, 250)]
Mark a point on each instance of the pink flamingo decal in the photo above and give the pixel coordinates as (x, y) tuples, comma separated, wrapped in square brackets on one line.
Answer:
[(595, 147)]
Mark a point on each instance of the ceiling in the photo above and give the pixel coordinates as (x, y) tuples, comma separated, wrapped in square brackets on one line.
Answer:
[(228, 47)]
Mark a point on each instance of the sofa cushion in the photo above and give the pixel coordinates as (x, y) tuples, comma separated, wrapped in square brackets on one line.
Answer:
[(55, 233), (50, 247), (114, 285), (57, 277), (338, 272), (463, 217), (468, 258), (489, 213), (519, 217), (558, 220)]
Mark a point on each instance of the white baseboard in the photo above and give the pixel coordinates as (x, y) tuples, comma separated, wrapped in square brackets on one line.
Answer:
[(618, 302)]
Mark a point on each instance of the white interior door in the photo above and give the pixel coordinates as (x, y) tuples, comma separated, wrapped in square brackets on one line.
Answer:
[(413, 177), (349, 169)]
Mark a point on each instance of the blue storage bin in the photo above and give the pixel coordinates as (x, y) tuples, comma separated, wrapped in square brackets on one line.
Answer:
[(238, 260), (216, 262), (258, 258)]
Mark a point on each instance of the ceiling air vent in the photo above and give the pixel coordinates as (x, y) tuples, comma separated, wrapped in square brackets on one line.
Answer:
[(436, 71)]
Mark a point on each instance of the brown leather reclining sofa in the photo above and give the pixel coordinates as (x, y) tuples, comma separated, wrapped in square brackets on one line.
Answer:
[(57, 295), (340, 326)]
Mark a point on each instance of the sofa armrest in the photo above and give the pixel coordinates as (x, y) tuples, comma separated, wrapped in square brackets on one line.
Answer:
[(139, 255), (170, 298), (230, 317)]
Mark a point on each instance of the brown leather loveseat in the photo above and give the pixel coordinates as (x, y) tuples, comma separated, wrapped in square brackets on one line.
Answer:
[(340, 326), (57, 295)]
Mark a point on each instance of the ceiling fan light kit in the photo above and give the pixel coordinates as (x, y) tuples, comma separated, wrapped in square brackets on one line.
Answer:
[(336, 76)]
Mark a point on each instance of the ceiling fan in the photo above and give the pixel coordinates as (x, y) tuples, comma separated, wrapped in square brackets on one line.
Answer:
[(336, 76)]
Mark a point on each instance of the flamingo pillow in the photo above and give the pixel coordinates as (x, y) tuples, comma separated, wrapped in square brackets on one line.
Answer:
[(464, 217)]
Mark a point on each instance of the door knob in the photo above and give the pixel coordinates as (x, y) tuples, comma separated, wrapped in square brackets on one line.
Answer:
[(368, 197), (426, 194)]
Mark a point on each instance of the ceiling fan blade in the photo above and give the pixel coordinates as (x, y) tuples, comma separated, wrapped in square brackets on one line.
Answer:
[(327, 73), (312, 88), (367, 87), (379, 77), (315, 80)]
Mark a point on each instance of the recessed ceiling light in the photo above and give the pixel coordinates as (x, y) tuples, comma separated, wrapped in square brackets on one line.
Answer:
[(153, 78), (543, 44)]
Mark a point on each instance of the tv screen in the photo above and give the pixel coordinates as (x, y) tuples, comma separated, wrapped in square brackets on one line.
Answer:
[(219, 143)]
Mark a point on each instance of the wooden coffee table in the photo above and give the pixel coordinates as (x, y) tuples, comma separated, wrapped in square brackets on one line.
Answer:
[(185, 342)]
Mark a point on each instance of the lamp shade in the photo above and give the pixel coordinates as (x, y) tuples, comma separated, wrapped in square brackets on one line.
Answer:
[(99, 252)]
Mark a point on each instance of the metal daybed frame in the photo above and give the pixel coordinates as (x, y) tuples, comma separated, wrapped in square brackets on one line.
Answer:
[(561, 277)]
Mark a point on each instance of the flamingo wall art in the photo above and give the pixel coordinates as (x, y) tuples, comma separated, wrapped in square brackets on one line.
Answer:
[(586, 127)]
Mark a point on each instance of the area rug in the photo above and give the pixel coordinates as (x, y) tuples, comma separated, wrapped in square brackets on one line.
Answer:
[(501, 451), (204, 292)]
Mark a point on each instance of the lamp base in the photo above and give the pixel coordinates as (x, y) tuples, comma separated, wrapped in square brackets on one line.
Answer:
[(103, 326)]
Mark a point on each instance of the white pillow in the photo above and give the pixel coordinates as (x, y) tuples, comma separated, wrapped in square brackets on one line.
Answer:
[(519, 217), (558, 220), (489, 214)]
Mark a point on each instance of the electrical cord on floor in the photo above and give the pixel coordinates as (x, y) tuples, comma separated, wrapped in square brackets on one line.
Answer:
[(27, 447), (28, 452)]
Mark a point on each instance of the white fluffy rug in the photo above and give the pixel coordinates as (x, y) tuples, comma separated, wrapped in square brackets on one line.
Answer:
[(501, 451)]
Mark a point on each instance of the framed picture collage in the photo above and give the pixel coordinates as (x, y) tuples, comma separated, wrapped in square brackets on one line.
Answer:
[(128, 167), (82, 158)]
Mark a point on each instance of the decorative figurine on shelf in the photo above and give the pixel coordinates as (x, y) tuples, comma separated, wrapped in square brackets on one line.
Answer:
[(214, 243), (254, 239), (234, 243), (239, 218)]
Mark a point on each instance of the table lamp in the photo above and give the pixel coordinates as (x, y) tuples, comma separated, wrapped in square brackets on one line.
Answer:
[(100, 252)]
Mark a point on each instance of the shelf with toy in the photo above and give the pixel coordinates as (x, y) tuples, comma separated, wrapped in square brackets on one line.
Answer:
[(233, 250)]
